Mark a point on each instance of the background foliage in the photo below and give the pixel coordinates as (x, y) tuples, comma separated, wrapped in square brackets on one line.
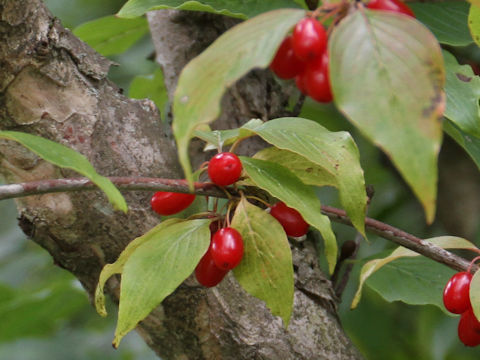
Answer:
[(46, 314)]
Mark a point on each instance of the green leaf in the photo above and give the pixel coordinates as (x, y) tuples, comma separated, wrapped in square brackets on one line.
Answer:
[(463, 93), (470, 144), (446, 242), (65, 157), (156, 268), (152, 87), (266, 270), (117, 267), (475, 294), (238, 9), (335, 152), (474, 23), (202, 83), (111, 35), (284, 185), (415, 281), (447, 20), (307, 171), (387, 77)]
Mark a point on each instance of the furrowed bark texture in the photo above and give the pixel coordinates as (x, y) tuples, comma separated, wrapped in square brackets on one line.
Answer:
[(53, 85)]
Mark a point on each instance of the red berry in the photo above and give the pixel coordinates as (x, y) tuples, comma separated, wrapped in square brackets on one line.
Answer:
[(169, 203), (317, 81), (309, 39), (391, 5), (300, 82), (224, 169), (227, 248), (285, 64), (456, 296), (290, 219), (469, 329), (207, 273)]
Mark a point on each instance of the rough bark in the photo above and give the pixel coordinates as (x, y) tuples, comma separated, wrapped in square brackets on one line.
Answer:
[(53, 85)]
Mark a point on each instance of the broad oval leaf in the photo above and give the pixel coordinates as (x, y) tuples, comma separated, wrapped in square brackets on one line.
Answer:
[(233, 8), (335, 152), (387, 76), (475, 294), (474, 22), (152, 87), (463, 94), (266, 270), (447, 20), (284, 185), (445, 242), (65, 157), (202, 83), (156, 268), (470, 144), (111, 35), (117, 267)]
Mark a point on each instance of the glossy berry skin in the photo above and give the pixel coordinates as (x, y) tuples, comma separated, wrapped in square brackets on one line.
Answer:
[(317, 80), (290, 219), (391, 5), (300, 82), (224, 169), (456, 296), (227, 248), (309, 39), (207, 273), (285, 64), (169, 203), (469, 329)]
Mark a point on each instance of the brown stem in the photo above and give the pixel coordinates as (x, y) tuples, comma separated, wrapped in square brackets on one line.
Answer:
[(386, 231)]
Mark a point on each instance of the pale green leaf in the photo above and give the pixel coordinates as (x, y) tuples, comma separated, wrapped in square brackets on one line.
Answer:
[(233, 8), (266, 270), (475, 294), (117, 267), (474, 22), (335, 152), (446, 19), (387, 76), (156, 268), (111, 35), (150, 87), (202, 83), (65, 157), (470, 144), (463, 94), (284, 185), (446, 242)]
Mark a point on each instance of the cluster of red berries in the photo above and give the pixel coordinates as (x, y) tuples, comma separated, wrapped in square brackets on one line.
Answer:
[(303, 55), (456, 298)]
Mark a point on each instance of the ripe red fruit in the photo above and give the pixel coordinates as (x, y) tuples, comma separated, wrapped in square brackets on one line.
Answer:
[(227, 248), (224, 168), (169, 203), (317, 81), (309, 39), (456, 296), (469, 329), (391, 5), (300, 82), (285, 64), (207, 273), (290, 219)]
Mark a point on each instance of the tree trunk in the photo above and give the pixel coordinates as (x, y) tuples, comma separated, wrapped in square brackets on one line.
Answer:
[(53, 85)]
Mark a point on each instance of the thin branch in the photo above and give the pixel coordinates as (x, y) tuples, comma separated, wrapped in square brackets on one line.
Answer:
[(383, 230)]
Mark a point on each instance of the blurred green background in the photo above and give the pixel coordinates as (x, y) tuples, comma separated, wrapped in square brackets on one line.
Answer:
[(46, 315)]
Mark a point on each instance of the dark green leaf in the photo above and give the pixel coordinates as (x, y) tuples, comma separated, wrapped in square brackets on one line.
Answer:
[(463, 94), (151, 87), (470, 144), (238, 9), (202, 83), (266, 270), (156, 268), (447, 20), (65, 157), (284, 185), (387, 76), (111, 35)]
